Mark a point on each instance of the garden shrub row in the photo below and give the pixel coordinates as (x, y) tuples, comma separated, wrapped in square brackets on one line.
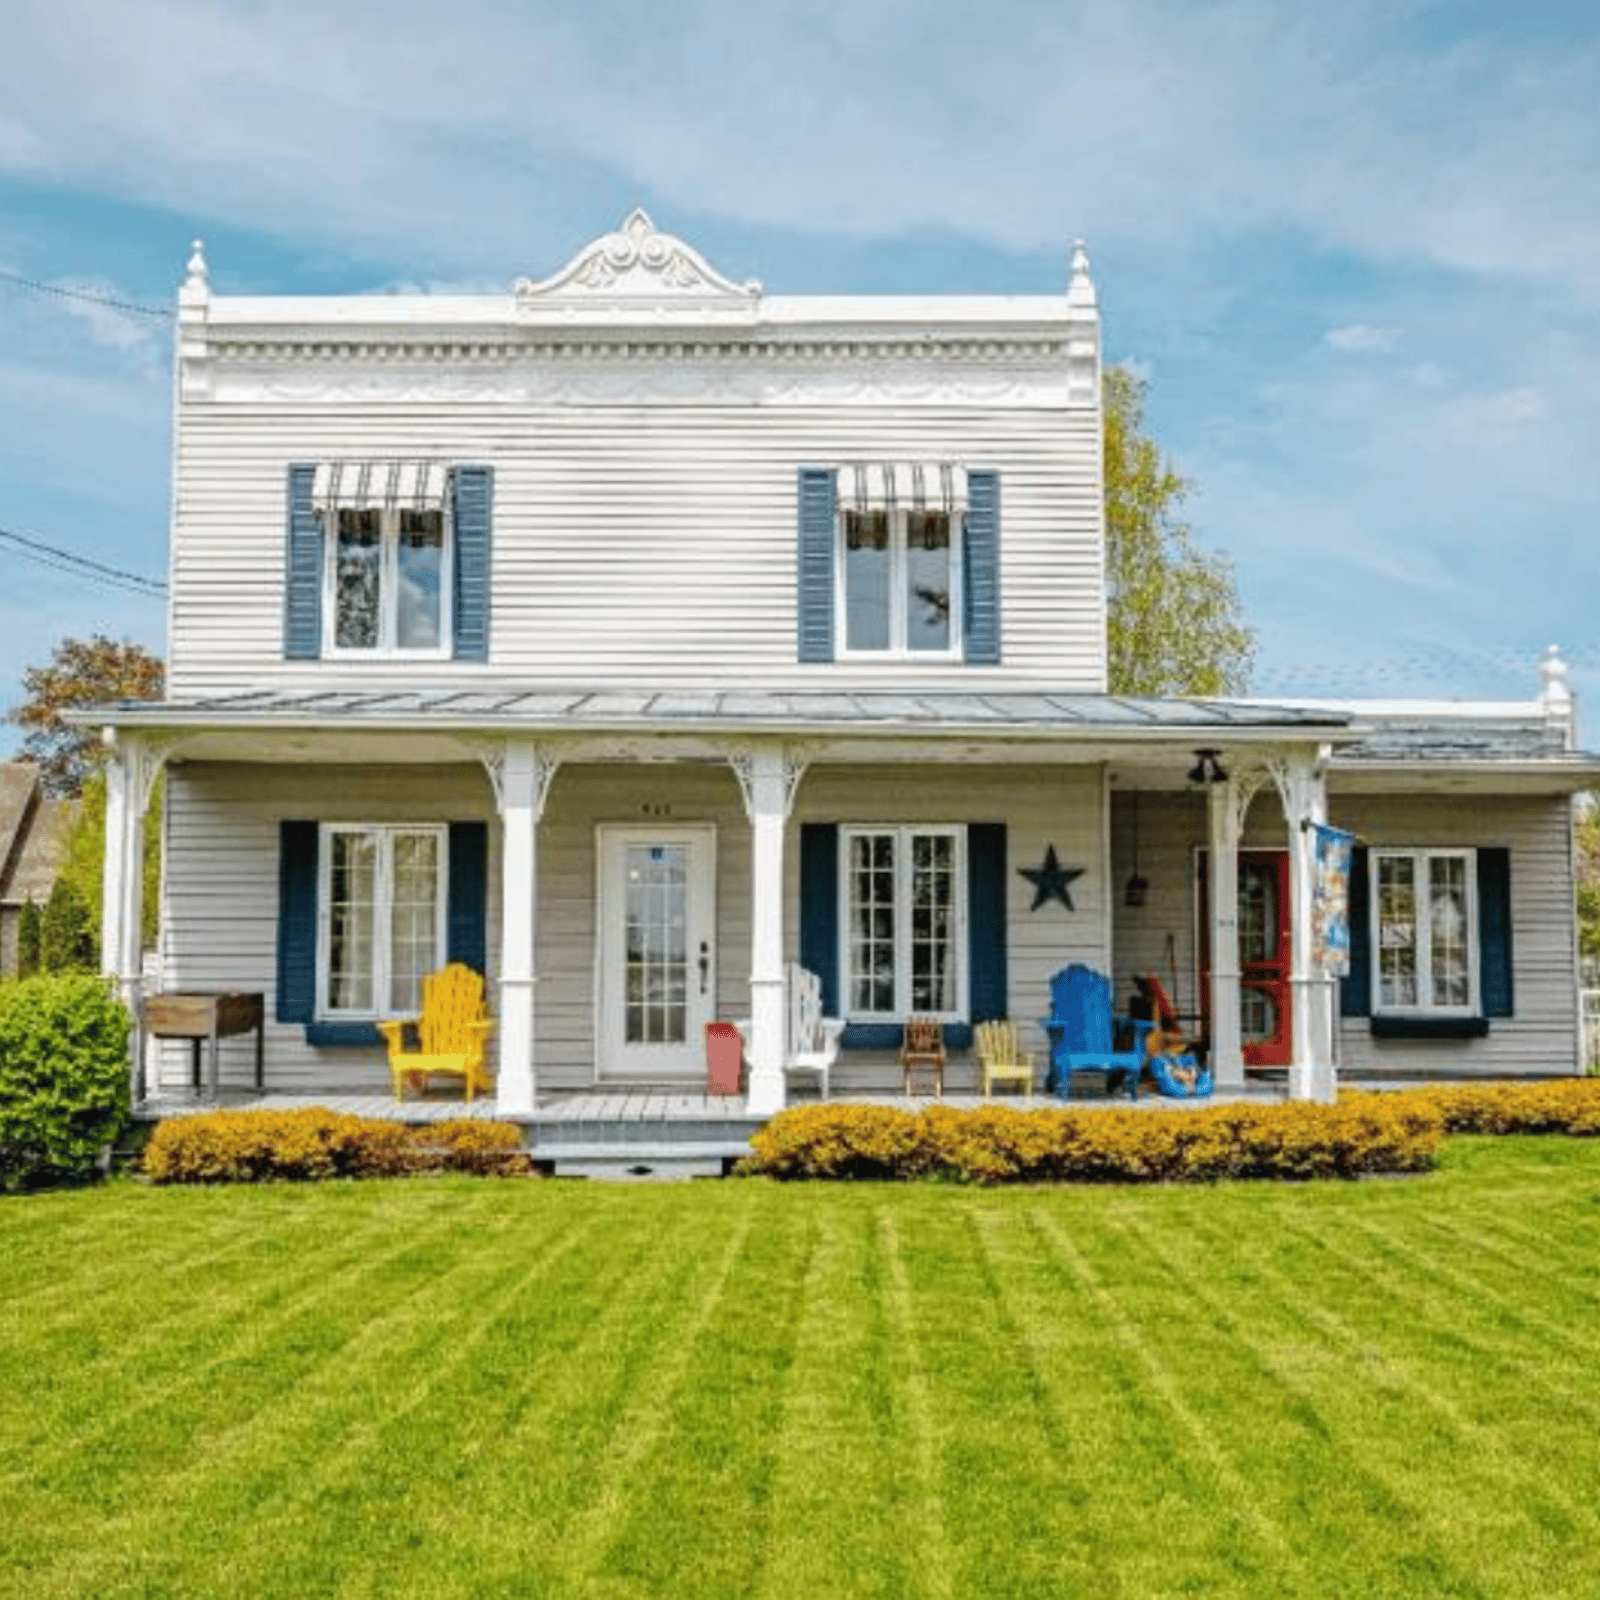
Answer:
[(1562, 1105), (257, 1146), (995, 1144)]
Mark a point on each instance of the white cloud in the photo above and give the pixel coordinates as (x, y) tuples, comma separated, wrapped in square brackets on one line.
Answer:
[(1360, 338), (486, 129)]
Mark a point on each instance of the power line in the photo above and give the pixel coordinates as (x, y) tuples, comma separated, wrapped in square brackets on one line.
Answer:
[(47, 555), (85, 295)]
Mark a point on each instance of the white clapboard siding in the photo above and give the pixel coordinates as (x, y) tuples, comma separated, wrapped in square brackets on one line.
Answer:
[(220, 896), (632, 542), (1540, 1038)]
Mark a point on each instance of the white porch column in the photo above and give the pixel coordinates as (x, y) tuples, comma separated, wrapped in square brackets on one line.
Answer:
[(1300, 785), (132, 767), (768, 776), (1225, 814), (521, 771)]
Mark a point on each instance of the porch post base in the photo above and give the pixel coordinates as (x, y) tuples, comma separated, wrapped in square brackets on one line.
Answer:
[(767, 1092), (514, 1087)]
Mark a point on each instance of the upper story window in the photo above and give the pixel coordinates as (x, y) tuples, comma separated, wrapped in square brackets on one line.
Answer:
[(1425, 921), (900, 575), (388, 575), (388, 558), (899, 561)]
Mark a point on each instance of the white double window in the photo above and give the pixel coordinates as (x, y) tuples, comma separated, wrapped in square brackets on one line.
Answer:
[(905, 911), (899, 573), (387, 583), (1425, 931), (382, 923)]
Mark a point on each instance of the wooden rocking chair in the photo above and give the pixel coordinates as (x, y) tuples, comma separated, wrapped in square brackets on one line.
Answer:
[(451, 1034)]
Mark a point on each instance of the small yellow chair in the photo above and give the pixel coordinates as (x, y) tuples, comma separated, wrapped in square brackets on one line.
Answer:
[(1001, 1057), (451, 1033)]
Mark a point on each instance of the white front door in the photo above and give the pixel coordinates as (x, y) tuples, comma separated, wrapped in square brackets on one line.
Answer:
[(656, 938)]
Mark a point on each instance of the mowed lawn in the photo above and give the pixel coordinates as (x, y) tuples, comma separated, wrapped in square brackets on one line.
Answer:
[(479, 1387)]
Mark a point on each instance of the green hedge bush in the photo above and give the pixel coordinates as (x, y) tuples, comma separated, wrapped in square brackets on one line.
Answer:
[(259, 1146), (63, 1077), (995, 1144)]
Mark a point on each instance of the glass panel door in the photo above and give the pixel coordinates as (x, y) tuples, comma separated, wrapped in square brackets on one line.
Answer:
[(656, 938)]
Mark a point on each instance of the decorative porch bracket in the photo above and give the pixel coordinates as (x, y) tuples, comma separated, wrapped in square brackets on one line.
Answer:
[(520, 772), (133, 765), (1228, 804), (769, 776), (1298, 775)]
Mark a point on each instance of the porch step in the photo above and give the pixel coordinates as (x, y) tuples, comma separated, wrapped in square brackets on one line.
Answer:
[(639, 1160)]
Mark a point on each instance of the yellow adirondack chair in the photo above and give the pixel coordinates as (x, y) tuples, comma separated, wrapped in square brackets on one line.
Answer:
[(1001, 1057), (451, 1033)]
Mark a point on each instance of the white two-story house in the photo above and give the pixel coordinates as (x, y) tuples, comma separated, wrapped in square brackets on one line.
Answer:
[(636, 633)]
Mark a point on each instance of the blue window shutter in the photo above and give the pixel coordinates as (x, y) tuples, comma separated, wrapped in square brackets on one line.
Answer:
[(297, 921), (1494, 932), (980, 564), (473, 525), (986, 920), (819, 908), (1355, 988), (816, 564), (465, 920), (302, 570)]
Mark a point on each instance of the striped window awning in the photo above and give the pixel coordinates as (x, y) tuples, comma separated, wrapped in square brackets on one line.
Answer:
[(902, 486), (380, 486)]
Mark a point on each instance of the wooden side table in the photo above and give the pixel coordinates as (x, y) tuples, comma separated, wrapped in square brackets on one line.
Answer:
[(206, 1017)]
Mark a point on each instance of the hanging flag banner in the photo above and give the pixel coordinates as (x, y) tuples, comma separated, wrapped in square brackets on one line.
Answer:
[(1330, 899)]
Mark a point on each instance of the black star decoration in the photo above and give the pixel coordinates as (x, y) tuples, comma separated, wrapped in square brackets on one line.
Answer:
[(1052, 881)]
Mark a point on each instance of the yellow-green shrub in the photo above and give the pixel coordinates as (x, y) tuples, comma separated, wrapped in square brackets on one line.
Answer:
[(1562, 1105), (996, 1144), (254, 1146)]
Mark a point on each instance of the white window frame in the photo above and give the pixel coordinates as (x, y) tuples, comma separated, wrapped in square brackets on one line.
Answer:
[(1421, 859), (389, 589), (959, 942), (385, 834), (897, 648)]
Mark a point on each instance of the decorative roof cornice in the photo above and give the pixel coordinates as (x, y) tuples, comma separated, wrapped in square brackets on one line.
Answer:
[(636, 263)]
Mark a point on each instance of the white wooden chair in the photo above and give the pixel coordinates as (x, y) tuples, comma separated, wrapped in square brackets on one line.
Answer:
[(811, 1040)]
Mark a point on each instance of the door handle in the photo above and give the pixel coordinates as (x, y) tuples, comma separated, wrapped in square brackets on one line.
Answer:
[(705, 965)]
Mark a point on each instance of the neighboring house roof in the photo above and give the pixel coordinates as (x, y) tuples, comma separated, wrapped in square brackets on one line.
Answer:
[(32, 835)]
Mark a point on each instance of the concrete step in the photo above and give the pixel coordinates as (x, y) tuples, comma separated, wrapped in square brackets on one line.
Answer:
[(639, 1160)]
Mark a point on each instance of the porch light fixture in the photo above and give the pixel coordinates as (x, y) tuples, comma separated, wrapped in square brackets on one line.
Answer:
[(1137, 887), (1207, 769)]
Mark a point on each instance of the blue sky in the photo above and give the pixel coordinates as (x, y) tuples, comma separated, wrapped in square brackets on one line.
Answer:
[(1354, 248)]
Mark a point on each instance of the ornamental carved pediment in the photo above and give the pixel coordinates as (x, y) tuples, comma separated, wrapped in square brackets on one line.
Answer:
[(637, 263)]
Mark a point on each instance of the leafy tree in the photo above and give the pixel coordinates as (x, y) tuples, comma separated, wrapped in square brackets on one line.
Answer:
[(66, 936), (82, 672), (1174, 625), (1587, 833), (28, 939), (83, 862)]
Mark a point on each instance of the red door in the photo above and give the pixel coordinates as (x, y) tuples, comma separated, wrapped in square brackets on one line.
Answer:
[(1264, 1007)]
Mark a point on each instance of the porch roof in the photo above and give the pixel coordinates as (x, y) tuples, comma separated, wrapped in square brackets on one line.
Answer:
[(1005, 712)]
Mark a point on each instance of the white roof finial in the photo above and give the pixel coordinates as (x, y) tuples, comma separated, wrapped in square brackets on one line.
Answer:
[(1554, 695), (197, 266), (1080, 292)]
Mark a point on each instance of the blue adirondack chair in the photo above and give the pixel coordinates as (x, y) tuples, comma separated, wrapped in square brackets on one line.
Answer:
[(1082, 1032)]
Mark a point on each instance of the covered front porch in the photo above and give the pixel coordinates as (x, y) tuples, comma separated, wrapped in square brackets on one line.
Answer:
[(557, 780)]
